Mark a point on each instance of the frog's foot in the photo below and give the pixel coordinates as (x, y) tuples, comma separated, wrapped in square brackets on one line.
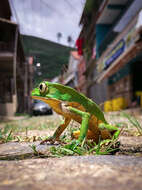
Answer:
[(110, 128), (49, 139)]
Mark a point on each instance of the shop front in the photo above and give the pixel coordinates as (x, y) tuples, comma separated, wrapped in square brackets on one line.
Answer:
[(121, 64)]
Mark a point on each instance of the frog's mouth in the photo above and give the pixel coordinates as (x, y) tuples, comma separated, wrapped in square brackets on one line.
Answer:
[(43, 99), (39, 98), (52, 102)]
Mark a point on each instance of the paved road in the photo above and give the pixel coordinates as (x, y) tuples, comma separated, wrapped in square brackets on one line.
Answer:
[(75, 173)]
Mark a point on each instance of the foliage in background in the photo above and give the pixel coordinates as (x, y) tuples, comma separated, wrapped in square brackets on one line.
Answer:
[(52, 56)]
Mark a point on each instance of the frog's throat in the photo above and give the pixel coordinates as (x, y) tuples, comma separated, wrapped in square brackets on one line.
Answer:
[(53, 102)]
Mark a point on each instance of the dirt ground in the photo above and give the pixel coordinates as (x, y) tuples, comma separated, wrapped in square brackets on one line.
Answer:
[(67, 173)]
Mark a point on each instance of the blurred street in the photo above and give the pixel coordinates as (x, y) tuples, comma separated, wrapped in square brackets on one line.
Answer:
[(72, 55)]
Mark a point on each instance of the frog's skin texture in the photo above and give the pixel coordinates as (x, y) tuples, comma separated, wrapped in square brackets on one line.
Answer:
[(72, 105)]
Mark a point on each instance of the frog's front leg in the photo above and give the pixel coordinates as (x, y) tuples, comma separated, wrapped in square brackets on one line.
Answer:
[(110, 128), (84, 124), (58, 131)]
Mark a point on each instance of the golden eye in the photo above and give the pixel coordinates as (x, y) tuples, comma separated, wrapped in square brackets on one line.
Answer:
[(43, 88)]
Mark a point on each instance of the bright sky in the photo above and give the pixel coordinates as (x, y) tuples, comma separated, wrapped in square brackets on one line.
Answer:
[(45, 18)]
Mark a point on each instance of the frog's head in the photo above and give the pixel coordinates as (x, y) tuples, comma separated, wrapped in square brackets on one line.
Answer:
[(45, 90), (48, 93), (41, 90)]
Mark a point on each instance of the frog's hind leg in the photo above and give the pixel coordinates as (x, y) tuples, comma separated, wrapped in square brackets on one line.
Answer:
[(90, 134), (84, 124)]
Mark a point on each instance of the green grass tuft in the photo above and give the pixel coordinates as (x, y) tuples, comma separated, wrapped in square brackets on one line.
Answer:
[(89, 147), (133, 121), (6, 134)]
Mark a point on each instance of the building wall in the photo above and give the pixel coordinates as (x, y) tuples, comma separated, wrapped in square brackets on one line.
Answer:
[(98, 92), (72, 64), (5, 11), (13, 74), (81, 76), (123, 83), (70, 76), (8, 109), (122, 88), (101, 32)]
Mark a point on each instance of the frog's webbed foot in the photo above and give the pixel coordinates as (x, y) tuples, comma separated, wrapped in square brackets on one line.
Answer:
[(110, 128)]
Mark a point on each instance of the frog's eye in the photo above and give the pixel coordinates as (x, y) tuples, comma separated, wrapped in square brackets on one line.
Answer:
[(43, 88)]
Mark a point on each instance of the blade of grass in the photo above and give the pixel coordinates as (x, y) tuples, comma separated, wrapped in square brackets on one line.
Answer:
[(133, 121), (34, 149), (9, 137)]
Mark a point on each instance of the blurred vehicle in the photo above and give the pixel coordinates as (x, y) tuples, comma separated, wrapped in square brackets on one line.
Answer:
[(41, 108)]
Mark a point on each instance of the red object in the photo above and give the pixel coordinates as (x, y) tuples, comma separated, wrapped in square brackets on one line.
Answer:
[(79, 45)]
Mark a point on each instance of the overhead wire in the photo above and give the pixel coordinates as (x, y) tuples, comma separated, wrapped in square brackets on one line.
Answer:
[(51, 8), (56, 11), (60, 13), (72, 7)]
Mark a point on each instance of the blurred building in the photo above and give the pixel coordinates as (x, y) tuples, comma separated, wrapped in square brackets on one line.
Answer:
[(69, 75), (111, 46), (15, 70)]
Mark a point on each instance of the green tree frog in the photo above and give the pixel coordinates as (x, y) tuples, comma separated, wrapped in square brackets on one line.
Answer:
[(73, 105)]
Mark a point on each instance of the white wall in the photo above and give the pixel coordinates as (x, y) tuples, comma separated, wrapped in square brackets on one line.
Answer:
[(72, 64)]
